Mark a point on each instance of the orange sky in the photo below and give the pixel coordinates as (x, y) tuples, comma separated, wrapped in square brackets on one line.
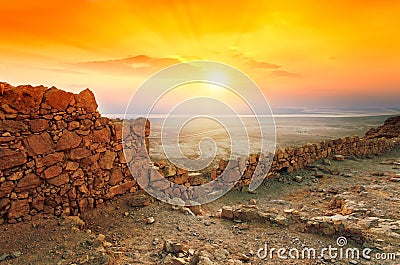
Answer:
[(301, 53)]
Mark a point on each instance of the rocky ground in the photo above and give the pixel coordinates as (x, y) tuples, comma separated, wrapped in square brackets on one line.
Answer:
[(357, 199)]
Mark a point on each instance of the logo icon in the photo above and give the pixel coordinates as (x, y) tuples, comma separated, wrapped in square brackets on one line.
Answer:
[(188, 93)]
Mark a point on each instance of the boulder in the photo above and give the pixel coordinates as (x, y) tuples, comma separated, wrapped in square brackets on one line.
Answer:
[(79, 153), (6, 188), (59, 180), (58, 99), (49, 160), (13, 126), (39, 144), (227, 212), (52, 172), (68, 140), (107, 160), (120, 189), (10, 158), (102, 136), (38, 125), (30, 181), (18, 208), (86, 100), (116, 177), (24, 99)]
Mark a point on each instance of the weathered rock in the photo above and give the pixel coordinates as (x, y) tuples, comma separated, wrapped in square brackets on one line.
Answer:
[(58, 99), (68, 140), (150, 220), (390, 129), (40, 143), (298, 179), (72, 166), (52, 172), (107, 160), (338, 157), (49, 160), (59, 180), (24, 99), (16, 176), (170, 170), (79, 153), (85, 99), (116, 177), (6, 188), (13, 126), (4, 202), (38, 203), (172, 247), (120, 189), (227, 212), (102, 136), (30, 181), (10, 158), (39, 125), (18, 208)]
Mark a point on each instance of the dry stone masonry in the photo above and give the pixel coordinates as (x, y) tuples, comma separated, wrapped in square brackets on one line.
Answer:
[(59, 156), (284, 160)]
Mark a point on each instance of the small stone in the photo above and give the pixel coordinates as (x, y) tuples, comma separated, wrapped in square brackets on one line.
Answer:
[(16, 254), (196, 209), (252, 202), (156, 241), (172, 247), (289, 211), (338, 157), (298, 178), (227, 212), (326, 162), (126, 214), (179, 261), (150, 220), (101, 237), (244, 258)]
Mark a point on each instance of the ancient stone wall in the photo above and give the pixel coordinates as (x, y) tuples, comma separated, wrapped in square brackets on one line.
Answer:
[(57, 154), (284, 160)]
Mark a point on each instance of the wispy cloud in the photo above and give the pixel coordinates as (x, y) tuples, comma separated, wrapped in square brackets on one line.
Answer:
[(282, 73), (129, 65), (262, 65)]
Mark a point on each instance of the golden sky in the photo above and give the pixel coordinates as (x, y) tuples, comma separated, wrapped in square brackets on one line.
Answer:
[(301, 53)]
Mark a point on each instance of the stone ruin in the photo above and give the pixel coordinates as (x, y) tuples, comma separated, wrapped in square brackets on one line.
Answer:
[(59, 156)]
